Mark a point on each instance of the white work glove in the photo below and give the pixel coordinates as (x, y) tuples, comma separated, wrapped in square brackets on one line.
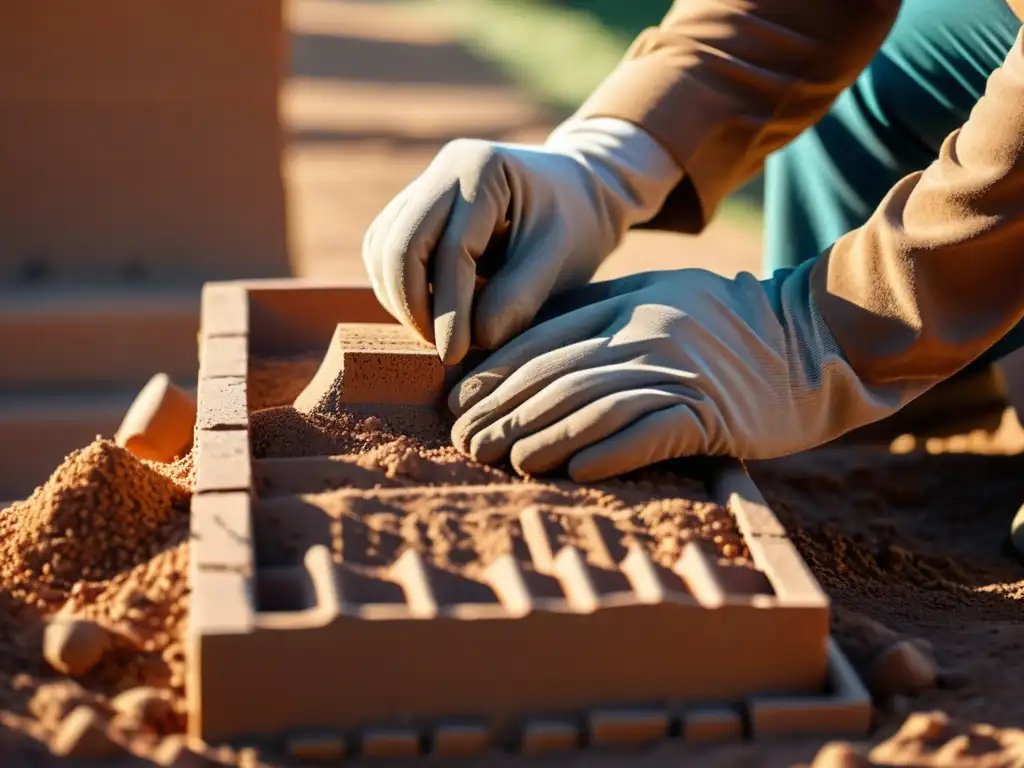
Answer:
[(665, 365), (557, 211)]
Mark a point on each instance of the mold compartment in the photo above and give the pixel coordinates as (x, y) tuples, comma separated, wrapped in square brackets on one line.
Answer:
[(389, 575)]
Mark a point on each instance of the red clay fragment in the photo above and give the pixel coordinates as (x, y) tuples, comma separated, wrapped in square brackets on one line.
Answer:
[(159, 423), (374, 363)]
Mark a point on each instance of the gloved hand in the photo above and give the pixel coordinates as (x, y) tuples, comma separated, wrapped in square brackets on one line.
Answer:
[(663, 365), (563, 207)]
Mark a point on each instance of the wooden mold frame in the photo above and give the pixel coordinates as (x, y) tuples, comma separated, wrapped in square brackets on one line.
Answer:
[(308, 677)]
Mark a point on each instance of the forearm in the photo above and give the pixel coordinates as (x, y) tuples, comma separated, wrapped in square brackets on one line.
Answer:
[(723, 83), (936, 276)]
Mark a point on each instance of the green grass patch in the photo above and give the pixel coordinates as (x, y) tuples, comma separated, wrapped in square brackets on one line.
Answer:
[(560, 50), (559, 54)]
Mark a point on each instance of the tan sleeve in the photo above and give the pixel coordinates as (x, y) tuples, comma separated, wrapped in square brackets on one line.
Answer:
[(936, 275), (723, 83)]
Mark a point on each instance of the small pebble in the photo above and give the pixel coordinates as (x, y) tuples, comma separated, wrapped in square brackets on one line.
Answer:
[(902, 669), (82, 734), (74, 646)]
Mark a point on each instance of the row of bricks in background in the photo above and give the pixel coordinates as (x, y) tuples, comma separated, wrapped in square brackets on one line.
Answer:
[(142, 140)]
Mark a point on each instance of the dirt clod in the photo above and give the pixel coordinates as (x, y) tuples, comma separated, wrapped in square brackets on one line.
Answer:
[(74, 646), (902, 669)]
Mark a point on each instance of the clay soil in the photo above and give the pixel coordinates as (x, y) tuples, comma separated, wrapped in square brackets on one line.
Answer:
[(909, 542)]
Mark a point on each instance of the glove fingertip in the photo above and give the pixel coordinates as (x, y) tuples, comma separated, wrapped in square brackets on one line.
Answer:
[(584, 471), (451, 339), (473, 389)]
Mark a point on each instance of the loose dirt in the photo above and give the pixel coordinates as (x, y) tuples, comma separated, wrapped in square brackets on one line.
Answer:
[(909, 543)]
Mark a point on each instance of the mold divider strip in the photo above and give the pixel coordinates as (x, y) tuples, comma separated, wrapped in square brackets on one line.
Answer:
[(643, 575), (572, 570), (505, 577), (734, 489), (324, 577), (701, 576), (412, 573), (538, 539)]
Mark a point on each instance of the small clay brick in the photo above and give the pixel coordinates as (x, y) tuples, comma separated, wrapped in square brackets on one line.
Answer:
[(389, 742), (220, 535), (541, 736), (844, 710), (628, 726), (223, 356), (222, 404), (222, 461), (375, 363), (225, 310), (316, 745), (712, 724), (738, 493), (461, 739), (792, 580), (160, 422)]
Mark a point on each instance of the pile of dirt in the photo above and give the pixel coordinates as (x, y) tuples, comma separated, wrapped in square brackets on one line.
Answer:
[(93, 590)]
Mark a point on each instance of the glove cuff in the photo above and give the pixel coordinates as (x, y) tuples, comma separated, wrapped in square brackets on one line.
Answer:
[(631, 171)]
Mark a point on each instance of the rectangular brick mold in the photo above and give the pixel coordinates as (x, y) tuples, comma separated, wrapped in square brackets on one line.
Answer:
[(287, 642)]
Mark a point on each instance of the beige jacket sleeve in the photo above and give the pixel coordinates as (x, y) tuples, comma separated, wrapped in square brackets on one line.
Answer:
[(936, 276), (724, 83)]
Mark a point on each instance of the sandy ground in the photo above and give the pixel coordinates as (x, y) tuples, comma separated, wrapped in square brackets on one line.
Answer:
[(909, 542)]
